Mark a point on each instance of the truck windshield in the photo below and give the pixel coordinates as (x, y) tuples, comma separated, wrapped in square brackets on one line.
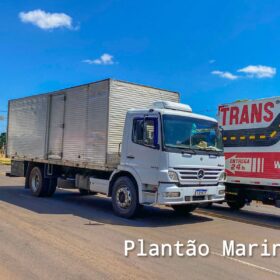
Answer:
[(191, 134)]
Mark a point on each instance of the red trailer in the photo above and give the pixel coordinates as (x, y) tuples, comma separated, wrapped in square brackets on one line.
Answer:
[(251, 136)]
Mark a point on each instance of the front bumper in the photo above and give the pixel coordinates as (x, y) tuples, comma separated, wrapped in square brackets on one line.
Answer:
[(188, 195)]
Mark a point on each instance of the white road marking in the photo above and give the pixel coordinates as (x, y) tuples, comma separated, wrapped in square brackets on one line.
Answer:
[(247, 263)]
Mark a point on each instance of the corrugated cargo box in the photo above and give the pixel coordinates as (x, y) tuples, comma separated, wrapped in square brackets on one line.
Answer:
[(79, 126)]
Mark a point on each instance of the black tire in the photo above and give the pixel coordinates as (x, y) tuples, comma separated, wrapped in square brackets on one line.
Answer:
[(236, 204), (125, 198), (52, 186), (39, 185), (184, 209), (86, 192)]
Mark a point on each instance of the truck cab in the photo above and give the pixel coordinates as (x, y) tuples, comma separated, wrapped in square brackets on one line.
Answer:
[(174, 156)]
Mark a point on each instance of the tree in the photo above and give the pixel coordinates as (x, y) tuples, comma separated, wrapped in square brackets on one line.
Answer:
[(2, 139)]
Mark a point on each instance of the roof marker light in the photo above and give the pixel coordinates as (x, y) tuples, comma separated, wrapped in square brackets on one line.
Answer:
[(172, 105), (273, 134)]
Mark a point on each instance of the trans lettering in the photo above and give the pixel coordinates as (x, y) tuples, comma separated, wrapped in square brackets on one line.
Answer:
[(254, 113)]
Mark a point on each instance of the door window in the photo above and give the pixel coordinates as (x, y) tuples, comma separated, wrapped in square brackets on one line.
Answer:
[(145, 132)]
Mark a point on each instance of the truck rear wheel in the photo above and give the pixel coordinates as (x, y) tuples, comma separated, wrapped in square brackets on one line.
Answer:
[(183, 209), (39, 185), (236, 204), (125, 197)]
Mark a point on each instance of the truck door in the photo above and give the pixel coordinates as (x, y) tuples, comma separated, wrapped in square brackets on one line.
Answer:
[(56, 127), (144, 148)]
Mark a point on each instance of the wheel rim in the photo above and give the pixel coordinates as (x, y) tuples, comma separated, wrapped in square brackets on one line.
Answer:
[(123, 197), (35, 182)]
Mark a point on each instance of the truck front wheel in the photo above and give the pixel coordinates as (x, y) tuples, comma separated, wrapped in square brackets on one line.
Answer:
[(39, 185), (183, 209), (125, 197)]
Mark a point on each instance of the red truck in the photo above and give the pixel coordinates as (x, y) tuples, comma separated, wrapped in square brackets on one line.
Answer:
[(251, 137)]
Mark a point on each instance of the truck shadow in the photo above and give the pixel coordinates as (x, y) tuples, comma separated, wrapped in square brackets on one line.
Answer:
[(97, 210)]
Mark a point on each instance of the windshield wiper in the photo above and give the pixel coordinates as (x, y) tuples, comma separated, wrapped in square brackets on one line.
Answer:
[(186, 149), (190, 149), (210, 149)]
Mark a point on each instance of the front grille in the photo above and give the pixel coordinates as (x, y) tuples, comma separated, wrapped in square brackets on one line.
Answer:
[(188, 175)]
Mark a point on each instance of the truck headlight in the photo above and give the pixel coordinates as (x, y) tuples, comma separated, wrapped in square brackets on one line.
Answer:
[(223, 176), (173, 176)]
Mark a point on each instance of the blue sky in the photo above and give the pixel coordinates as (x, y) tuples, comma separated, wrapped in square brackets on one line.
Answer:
[(212, 52)]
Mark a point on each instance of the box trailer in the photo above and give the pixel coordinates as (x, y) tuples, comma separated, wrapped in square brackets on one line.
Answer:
[(108, 137), (251, 136)]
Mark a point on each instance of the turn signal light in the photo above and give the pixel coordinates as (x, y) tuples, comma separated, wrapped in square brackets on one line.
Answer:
[(171, 194)]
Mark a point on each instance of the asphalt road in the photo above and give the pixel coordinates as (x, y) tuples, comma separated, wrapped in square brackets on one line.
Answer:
[(70, 236)]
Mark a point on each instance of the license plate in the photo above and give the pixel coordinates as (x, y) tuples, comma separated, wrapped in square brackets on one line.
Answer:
[(200, 192)]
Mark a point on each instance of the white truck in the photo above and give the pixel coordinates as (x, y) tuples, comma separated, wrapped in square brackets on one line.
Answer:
[(89, 137), (251, 136)]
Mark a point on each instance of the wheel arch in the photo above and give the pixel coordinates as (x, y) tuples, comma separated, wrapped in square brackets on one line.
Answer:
[(130, 174)]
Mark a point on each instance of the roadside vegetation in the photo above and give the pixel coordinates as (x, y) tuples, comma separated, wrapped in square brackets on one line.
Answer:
[(3, 159)]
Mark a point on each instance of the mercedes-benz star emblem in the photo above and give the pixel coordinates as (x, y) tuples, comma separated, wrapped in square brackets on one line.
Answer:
[(200, 174)]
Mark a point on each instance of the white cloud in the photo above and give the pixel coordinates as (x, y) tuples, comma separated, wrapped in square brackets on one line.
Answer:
[(211, 61), (104, 59), (258, 71), (226, 75), (45, 20)]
